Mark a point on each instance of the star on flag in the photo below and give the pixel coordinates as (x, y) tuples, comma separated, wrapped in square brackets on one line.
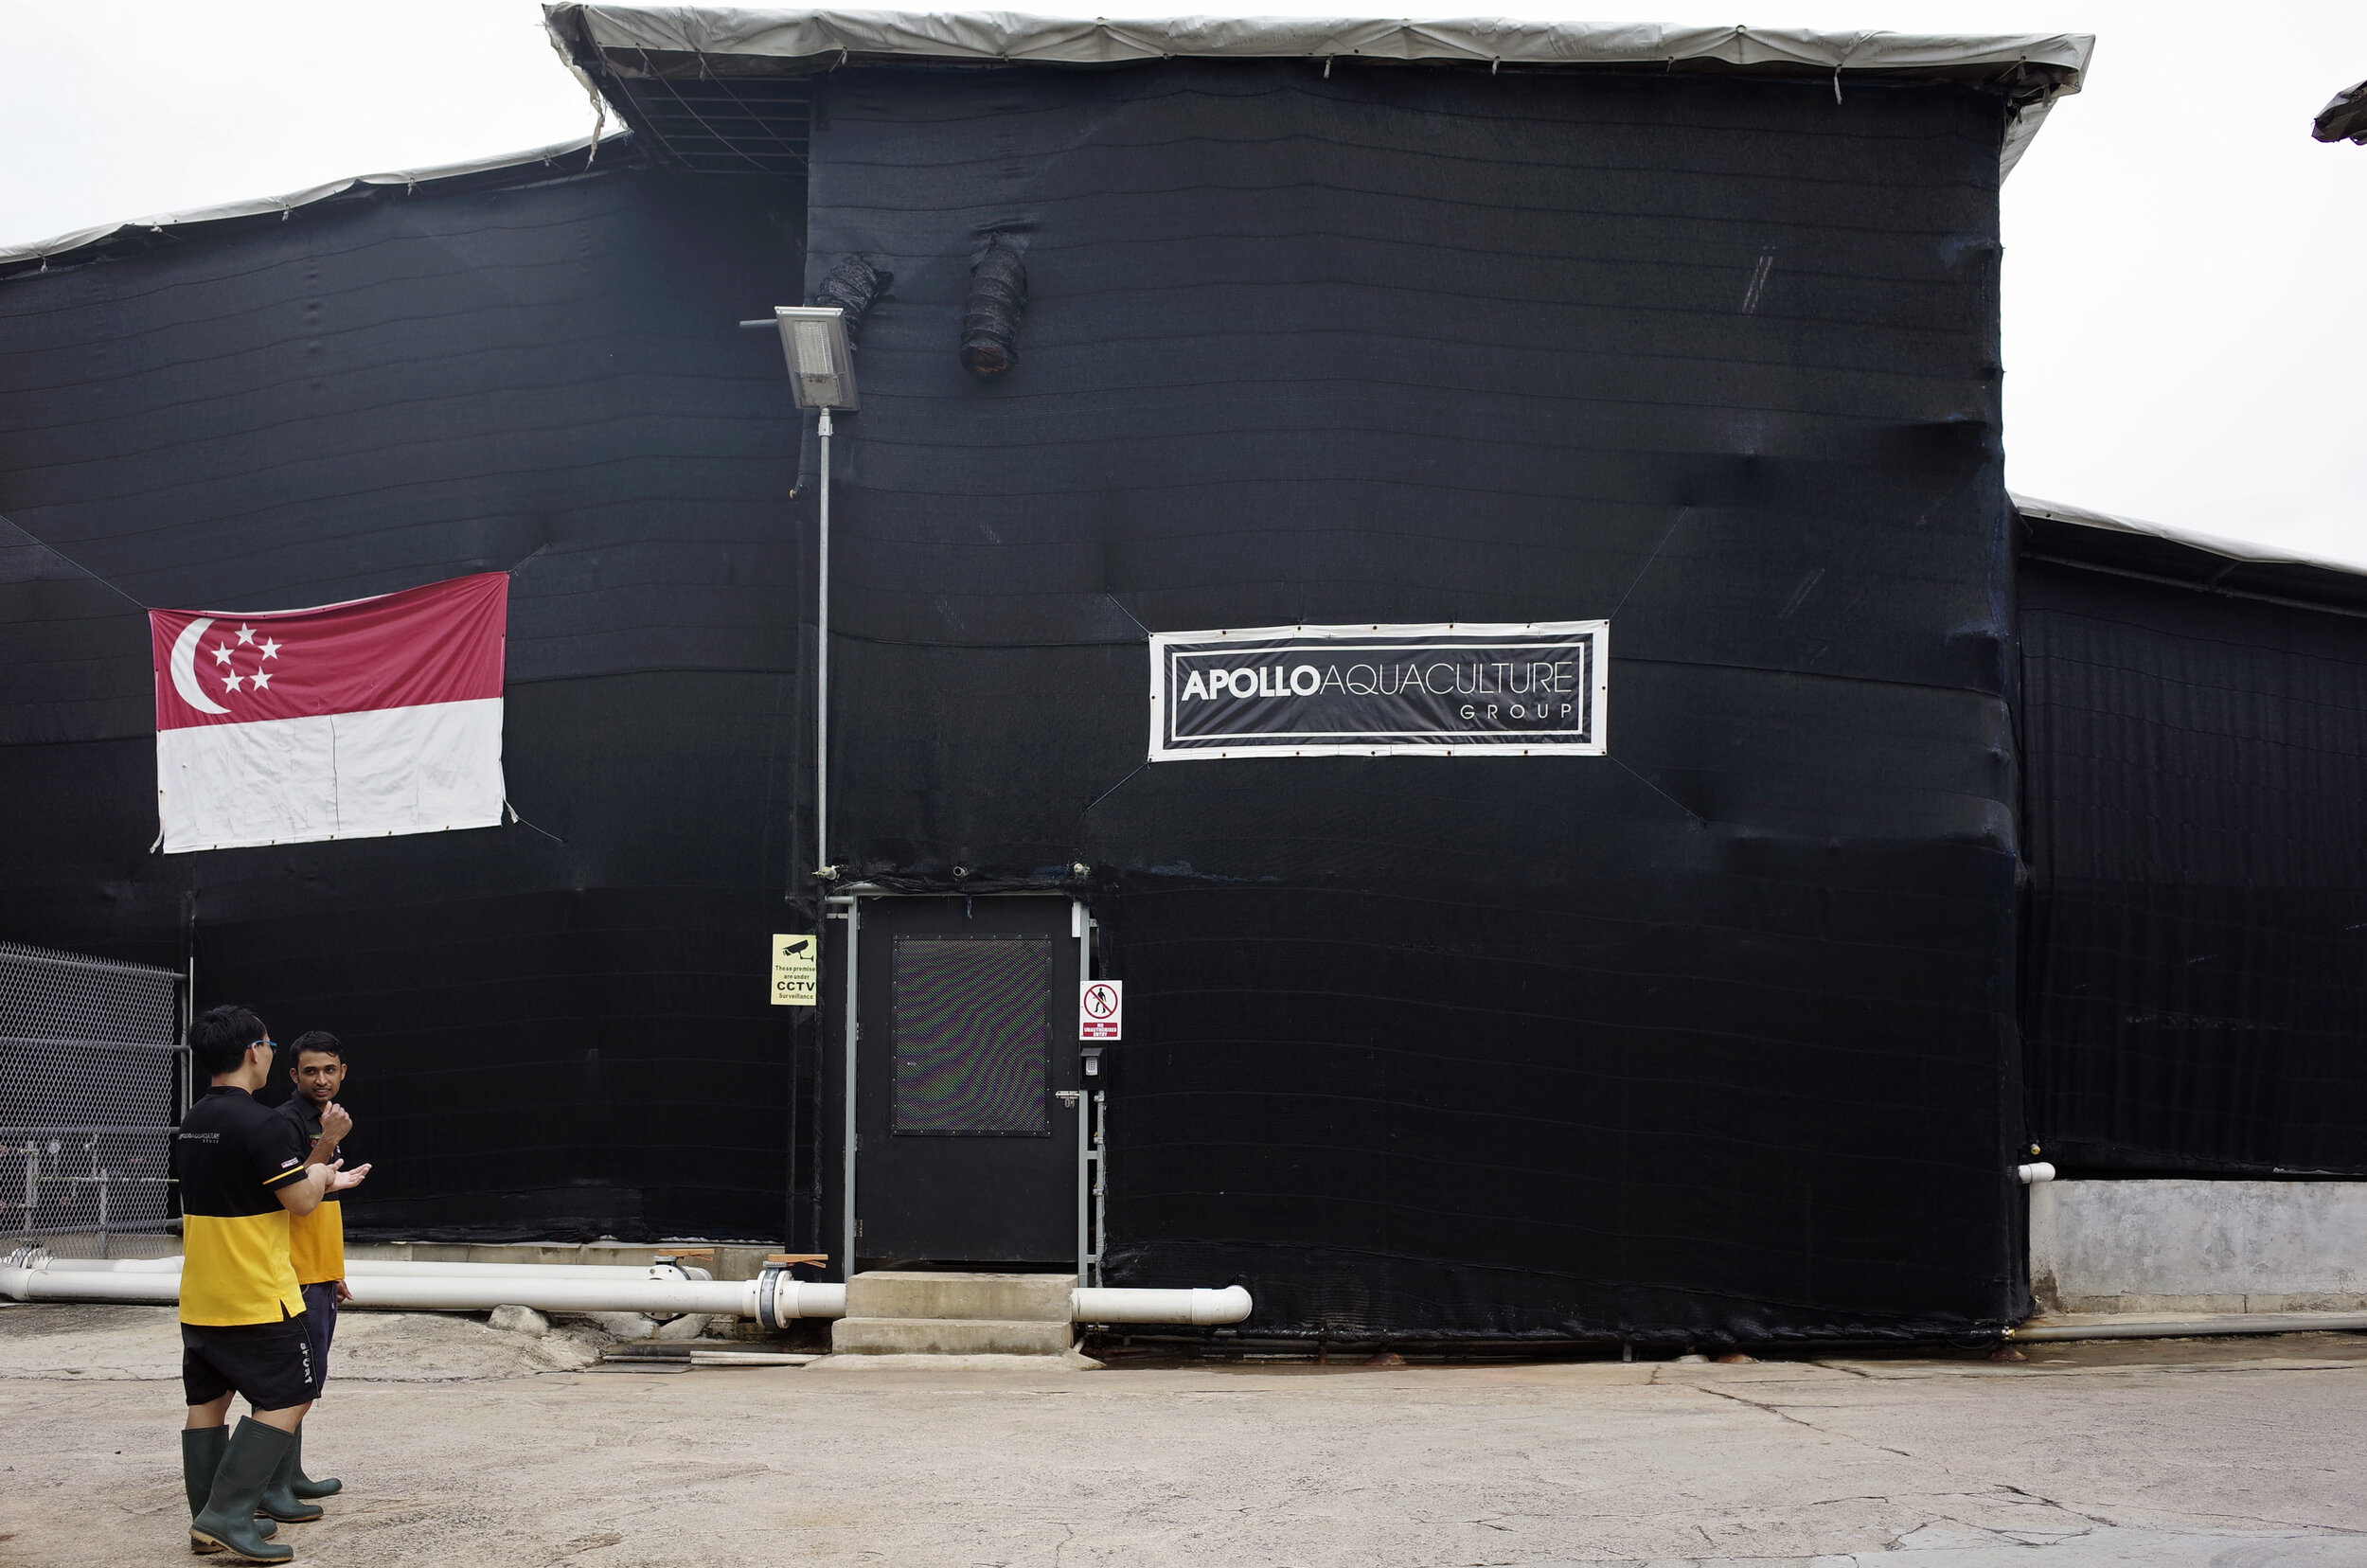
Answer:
[(226, 655)]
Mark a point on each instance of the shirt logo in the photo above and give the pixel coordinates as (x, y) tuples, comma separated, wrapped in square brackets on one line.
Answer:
[(285, 1164)]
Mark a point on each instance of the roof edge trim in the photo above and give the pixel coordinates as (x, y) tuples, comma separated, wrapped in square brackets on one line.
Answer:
[(2232, 549), (61, 246)]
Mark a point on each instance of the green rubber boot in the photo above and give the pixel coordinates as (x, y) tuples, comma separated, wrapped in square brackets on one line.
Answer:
[(227, 1521), (303, 1485), (279, 1499), (201, 1458)]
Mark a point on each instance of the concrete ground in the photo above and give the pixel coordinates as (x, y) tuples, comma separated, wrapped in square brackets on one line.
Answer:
[(2230, 1453)]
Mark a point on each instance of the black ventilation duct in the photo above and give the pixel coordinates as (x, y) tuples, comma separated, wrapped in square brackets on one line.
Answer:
[(998, 298), (853, 285)]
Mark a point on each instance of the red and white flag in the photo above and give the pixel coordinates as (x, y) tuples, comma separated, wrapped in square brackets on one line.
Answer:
[(358, 720)]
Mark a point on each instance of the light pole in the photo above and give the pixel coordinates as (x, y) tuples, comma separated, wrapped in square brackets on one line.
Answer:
[(822, 376)]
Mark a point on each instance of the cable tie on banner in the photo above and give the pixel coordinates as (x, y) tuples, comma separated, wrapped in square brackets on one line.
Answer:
[(1682, 512), (70, 561), (1662, 794), (1124, 611), (1110, 790), (524, 823)]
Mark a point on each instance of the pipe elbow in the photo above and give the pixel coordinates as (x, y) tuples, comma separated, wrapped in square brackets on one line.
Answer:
[(1229, 1304), (2032, 1174)]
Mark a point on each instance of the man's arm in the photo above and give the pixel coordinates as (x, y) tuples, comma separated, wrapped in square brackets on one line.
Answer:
[(335, 1124), (303, 1194)]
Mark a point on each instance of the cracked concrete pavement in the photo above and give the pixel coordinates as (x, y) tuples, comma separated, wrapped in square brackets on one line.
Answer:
[(2234, 1453)]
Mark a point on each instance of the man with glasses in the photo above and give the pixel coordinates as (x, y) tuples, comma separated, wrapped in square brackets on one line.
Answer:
[(242, 1172)]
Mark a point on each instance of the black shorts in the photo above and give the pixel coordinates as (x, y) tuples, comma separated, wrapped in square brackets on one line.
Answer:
[(268, 1364)]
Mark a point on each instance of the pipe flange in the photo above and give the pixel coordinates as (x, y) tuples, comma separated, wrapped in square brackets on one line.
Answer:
[(768, 1286)]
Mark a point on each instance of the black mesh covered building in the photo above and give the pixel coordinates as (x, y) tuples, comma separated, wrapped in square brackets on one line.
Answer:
[(1718, 1036)]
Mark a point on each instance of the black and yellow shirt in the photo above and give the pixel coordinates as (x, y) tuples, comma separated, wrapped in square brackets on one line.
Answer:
[(316, 1242), (232, 1157)]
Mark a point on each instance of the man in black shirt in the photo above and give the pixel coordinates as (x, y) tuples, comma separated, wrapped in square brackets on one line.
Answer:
[(316, 1242), (242, 1172)]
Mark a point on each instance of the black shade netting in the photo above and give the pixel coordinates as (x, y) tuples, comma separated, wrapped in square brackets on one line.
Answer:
[(1712, 1038), (2197, 951), (556, 1029)]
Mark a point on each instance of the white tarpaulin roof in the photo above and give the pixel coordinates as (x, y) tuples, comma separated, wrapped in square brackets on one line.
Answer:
[(1006, 37), (2051, 63), (75, 239), (2235, 549), (1012, 37)]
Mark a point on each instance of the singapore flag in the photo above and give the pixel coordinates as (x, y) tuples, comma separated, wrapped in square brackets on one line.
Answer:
[(353, 721)]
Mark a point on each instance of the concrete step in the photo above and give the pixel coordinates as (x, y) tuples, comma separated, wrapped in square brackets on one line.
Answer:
[(999, 1297), (938, 1336)]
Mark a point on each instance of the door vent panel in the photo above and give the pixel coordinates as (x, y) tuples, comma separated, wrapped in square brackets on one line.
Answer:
[(974, 1036)]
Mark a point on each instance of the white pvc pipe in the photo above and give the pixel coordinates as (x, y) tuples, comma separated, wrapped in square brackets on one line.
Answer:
[(79, 1285), (401, 1268), (563, 1288), (356, 1267), (467, 1293), (1230, 1305), (728, 1297), (2032, 1174)]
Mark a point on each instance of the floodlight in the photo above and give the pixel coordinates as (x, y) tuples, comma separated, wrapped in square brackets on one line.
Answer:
[(821, 366)]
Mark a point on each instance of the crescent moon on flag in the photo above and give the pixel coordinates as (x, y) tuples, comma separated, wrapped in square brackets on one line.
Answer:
[(183, 667)]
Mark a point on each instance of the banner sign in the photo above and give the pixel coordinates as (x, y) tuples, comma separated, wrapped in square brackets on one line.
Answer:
[(1453, 690)]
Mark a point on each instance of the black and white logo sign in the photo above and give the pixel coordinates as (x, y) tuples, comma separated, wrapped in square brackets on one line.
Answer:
[(1535, 690)]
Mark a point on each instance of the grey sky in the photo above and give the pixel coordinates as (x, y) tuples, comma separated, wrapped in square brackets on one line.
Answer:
[(2184, 306)]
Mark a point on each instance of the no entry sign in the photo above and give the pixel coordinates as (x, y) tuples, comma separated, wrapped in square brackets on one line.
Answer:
[(1099, 1005)]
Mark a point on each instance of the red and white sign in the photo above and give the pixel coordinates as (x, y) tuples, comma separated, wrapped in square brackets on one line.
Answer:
[(373, 717), (1100, 1006)]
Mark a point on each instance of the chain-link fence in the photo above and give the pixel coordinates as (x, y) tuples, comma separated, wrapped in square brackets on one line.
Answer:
[(90, 1077)]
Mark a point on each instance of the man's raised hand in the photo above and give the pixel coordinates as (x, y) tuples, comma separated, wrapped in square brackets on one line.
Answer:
[(335, 1122)]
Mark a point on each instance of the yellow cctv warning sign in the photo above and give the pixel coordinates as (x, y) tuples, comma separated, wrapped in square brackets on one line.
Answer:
[(795, 970)]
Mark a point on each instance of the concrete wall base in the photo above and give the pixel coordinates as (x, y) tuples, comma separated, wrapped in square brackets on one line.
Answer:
[(2149, 1248), (891, 1312)]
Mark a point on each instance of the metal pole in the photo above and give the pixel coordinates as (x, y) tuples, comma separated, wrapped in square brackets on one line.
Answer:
[(1102, 1183), (1080, 928), (853, 1031), (822, 671)]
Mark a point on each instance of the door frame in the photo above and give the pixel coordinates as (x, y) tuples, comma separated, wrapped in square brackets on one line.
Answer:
[(1092, 1110)]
